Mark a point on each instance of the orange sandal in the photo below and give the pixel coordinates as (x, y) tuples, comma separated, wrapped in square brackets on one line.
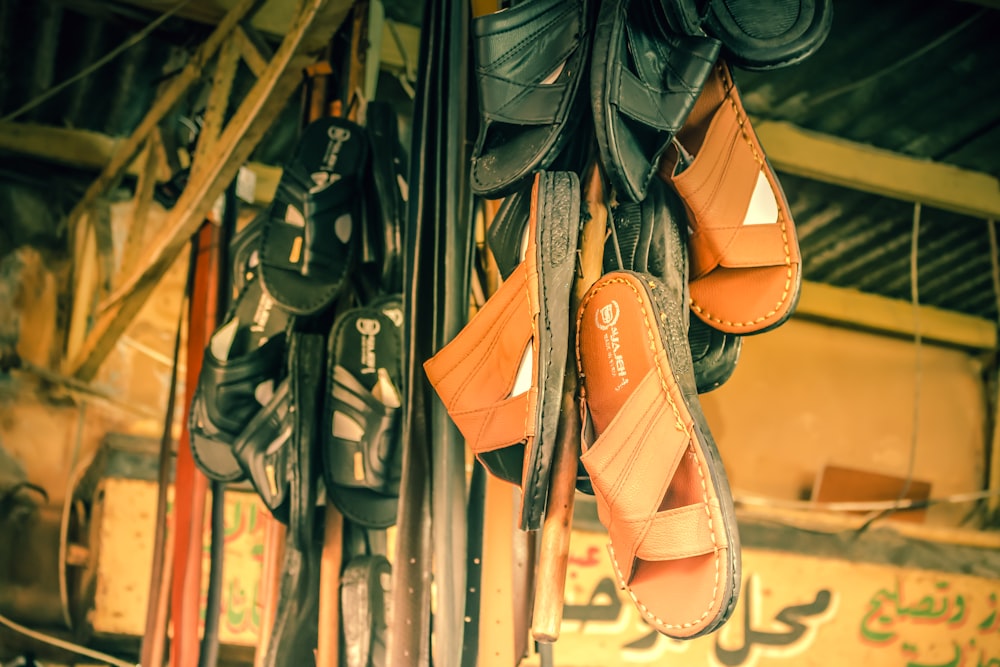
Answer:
[(745, 263), (658, 480), (501, 378)]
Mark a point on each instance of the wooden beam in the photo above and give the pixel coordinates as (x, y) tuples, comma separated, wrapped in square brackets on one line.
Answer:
[(862, 167), (126, 150), (217, 104), (145, 187), (251, 55), (84, 149), (895, 317), (314, 25), (74, 148)]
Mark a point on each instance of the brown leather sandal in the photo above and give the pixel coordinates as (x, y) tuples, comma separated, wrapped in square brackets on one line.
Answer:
[(660, 487), (745, 262), (501, 377)]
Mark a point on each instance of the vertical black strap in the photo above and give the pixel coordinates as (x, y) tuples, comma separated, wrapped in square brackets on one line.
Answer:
[(208, 655), (474, 565)]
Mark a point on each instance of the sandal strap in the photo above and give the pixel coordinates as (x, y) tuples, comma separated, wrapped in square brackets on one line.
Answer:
[(262, 447), (227, 386), (311, 248), (475, 372), (682, 532), (642, 97), (362, 463), (631, 472), (515, 50)]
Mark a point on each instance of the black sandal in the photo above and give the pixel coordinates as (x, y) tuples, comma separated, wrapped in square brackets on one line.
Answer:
[(244, 360), (308, 244), (360, 451), (530, 60), (759, 35), (643, 86)]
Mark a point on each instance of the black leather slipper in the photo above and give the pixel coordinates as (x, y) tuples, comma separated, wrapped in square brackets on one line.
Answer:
[(309, 242), (530, 60), (767, 35), (362, 417), (242, 364), (262, 450), (643, 85)]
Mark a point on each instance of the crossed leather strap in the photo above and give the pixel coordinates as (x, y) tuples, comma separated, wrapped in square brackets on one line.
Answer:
[(474, 375)]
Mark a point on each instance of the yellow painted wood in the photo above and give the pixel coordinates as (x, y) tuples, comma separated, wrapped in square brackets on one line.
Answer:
[(249, 52), (73, 147), (863, 167), (793, 609), (871, 312)]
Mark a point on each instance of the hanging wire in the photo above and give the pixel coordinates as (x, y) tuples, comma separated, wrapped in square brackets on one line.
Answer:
[(901, 502), (881, 507), (65, 645), (929, 46), (97, 64)]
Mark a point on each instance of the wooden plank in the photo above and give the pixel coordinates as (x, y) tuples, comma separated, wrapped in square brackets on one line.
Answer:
[(149, 160), (216, 105), (72, 147), (315, 24), (92, 150), (126, 150), (850, 307), (862, 167), (85, 272), (251, 55)]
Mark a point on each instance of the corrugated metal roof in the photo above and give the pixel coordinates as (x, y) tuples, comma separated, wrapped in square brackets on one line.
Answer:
[(919, 79)]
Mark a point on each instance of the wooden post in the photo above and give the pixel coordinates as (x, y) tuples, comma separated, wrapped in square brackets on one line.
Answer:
[(554, 554)]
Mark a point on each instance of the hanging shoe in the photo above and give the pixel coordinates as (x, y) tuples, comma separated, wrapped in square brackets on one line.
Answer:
[(501, 377)]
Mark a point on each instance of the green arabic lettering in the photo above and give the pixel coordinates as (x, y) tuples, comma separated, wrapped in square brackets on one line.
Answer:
[(959, 616), (876, 624), (235, 529)]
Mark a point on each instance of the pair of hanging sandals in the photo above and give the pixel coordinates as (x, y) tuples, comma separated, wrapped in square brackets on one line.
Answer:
[(700, 225), (291, 266)]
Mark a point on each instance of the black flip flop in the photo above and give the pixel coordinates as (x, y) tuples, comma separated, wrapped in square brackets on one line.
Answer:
[(767, 35), (362, 417), (309, 242), (643, 86), (242, 364), (530, 60)]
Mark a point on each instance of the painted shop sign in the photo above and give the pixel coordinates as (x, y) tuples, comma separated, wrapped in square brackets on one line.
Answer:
[(127, 555), (793, 610)]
